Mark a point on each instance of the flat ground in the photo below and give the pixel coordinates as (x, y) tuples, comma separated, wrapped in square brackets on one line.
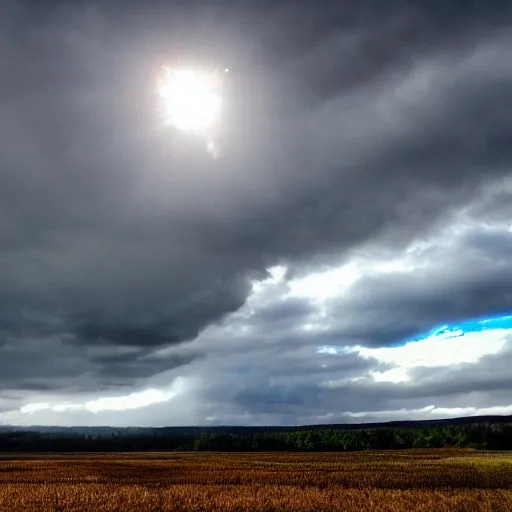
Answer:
[(433, 480)]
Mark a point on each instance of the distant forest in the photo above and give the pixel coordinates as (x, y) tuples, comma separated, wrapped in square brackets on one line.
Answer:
[(488, 434)]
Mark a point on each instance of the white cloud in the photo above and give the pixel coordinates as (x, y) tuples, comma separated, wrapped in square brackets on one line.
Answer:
[(437, 350), (66, 407), (131, 401), (431, 412), (327, 284), (440, 349), (32, 408)]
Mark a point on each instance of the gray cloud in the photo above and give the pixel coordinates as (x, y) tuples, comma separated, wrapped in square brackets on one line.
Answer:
[(468, 278), (351, 130), (482, 384)]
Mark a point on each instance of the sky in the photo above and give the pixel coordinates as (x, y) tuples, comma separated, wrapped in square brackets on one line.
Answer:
[(345, 259)]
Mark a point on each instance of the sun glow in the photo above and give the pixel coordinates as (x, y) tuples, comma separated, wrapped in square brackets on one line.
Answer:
[(190, 100)]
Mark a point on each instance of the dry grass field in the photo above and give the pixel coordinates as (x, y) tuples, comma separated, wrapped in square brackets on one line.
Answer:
[(434, 480)]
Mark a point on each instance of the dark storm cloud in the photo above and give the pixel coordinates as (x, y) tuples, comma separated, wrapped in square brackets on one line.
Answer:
[(128, 367), (35, 364), (352, 125)]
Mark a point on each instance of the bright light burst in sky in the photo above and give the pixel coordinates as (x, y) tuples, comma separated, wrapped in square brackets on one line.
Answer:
[(190, 101)]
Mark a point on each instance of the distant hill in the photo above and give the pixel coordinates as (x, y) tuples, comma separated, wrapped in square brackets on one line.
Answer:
[(198, 430)]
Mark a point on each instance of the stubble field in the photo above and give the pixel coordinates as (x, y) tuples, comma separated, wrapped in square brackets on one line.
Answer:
[(434, 480)]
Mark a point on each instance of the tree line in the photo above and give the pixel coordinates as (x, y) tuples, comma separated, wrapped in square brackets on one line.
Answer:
[(479, 436)]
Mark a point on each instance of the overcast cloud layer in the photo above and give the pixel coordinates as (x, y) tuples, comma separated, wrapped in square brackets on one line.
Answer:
[(363, 199)]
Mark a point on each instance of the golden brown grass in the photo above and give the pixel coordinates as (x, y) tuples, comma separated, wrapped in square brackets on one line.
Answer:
[(435, 480)]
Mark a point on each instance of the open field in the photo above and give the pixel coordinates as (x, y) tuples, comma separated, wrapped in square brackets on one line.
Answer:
[(433, 480)]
